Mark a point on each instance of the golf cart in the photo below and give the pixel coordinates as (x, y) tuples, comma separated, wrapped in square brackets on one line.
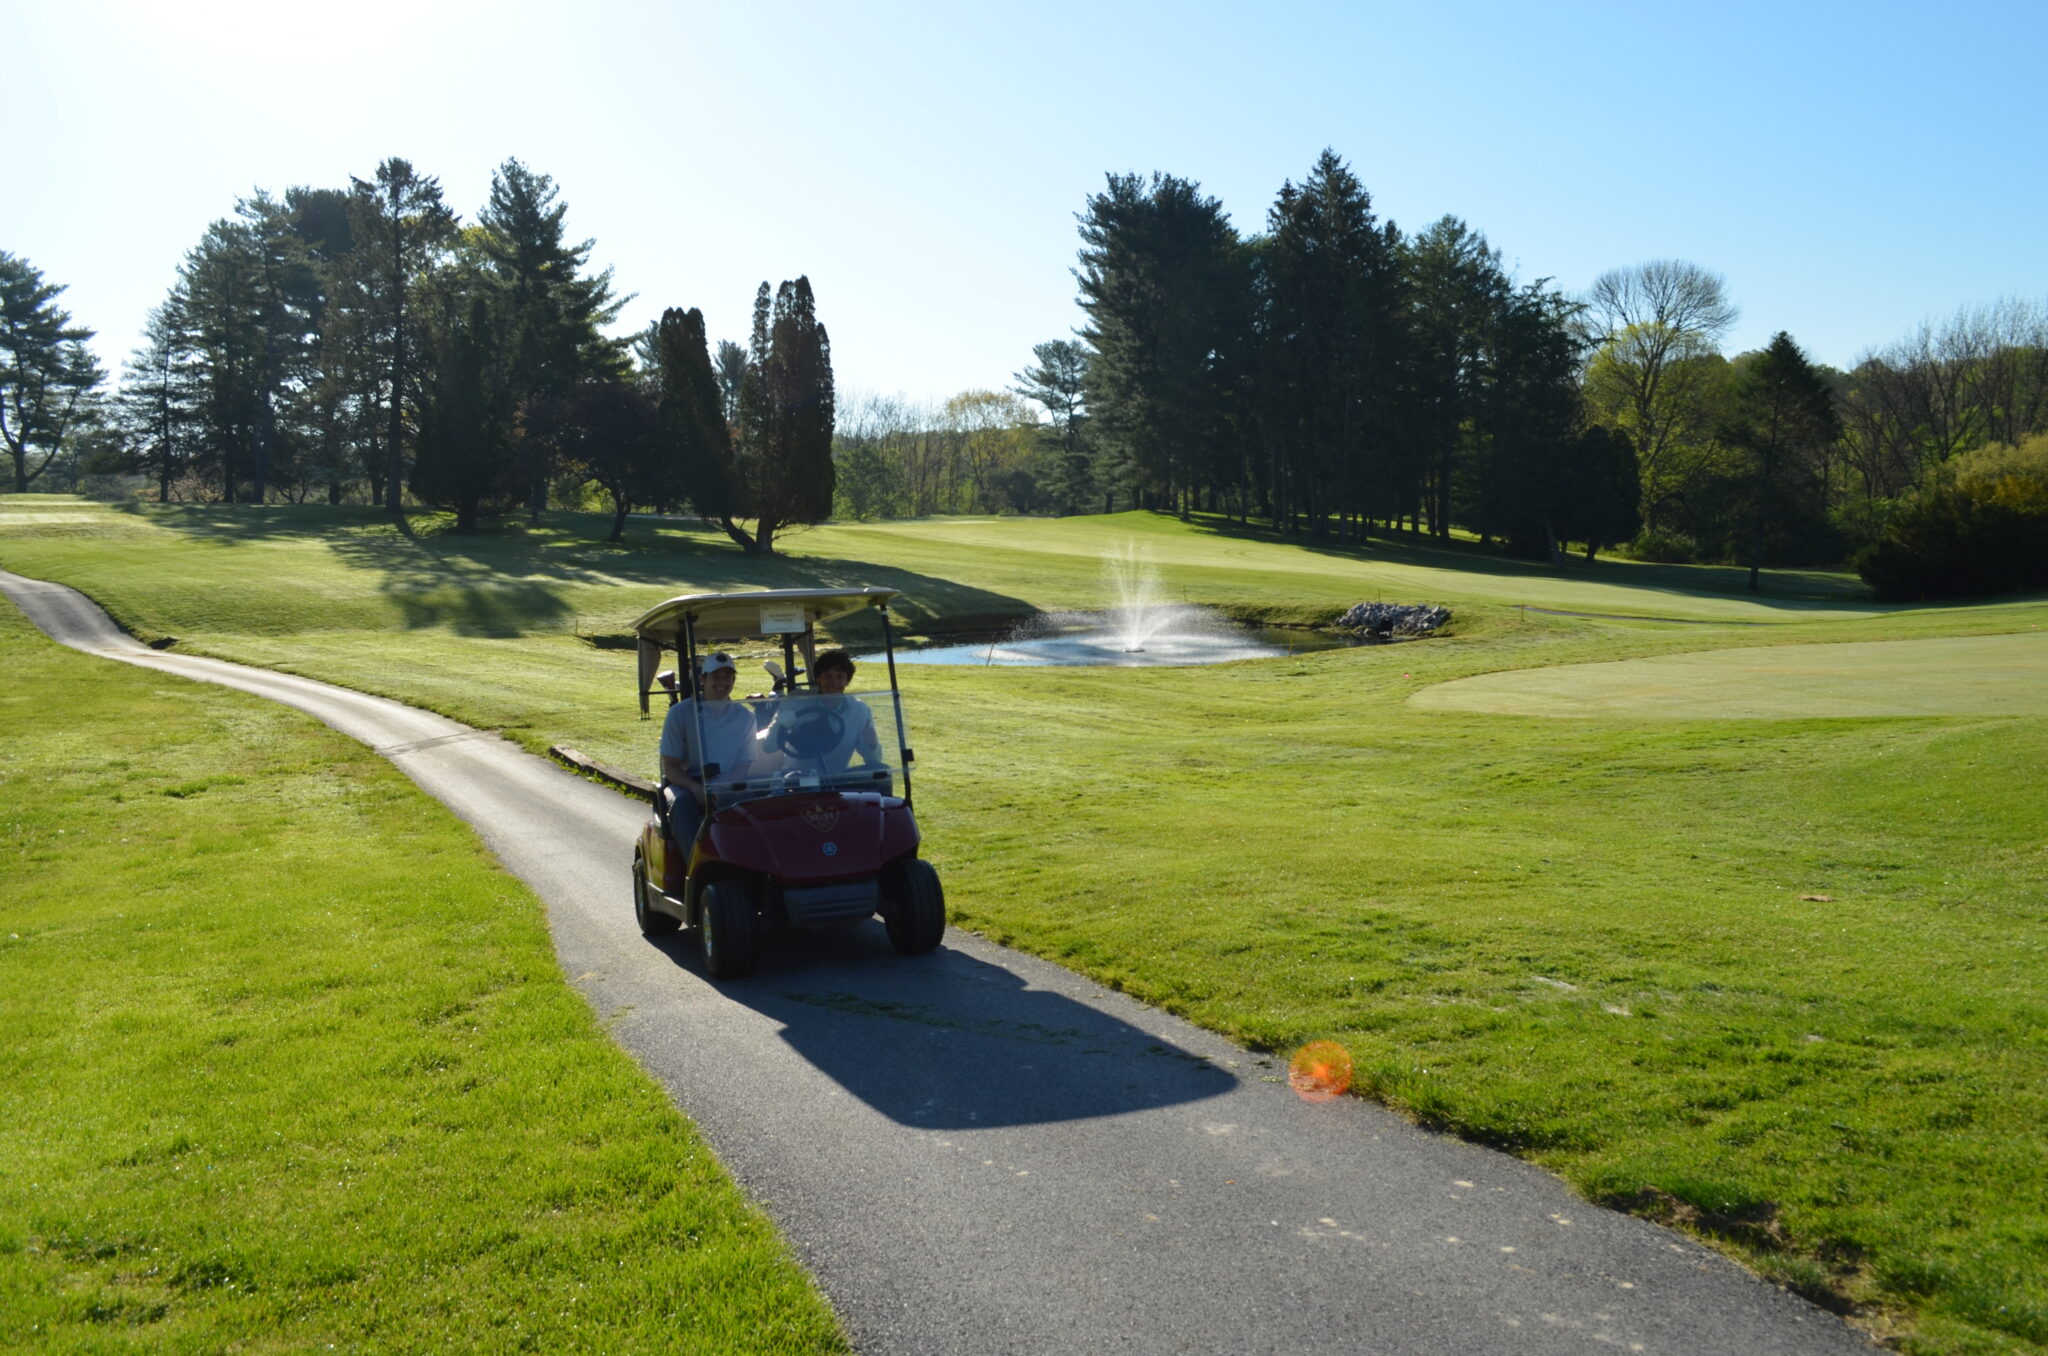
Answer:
[(808, 824)]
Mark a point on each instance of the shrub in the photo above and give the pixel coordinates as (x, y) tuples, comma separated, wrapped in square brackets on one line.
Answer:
[(1978, 526), (1663, 546)]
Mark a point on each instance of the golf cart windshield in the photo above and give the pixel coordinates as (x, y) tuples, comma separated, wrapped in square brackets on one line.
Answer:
[(809, 743)]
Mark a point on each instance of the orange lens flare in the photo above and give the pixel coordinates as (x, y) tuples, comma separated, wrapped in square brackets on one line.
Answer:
[(1319, 1071)]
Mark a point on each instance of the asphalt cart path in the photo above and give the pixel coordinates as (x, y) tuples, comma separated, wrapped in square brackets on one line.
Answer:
[(978, 1152)]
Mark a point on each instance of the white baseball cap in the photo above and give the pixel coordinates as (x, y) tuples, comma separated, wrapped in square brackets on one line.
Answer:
[(720, 660)]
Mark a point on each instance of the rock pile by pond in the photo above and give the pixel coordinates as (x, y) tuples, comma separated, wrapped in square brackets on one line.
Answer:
[(1394, 619)]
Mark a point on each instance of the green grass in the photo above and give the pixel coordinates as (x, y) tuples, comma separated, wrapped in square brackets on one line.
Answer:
[(1581, 940), (1999, 675), (288, 1063)]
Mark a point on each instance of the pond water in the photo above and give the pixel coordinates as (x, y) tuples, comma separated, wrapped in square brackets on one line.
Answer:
[(1189, 636)]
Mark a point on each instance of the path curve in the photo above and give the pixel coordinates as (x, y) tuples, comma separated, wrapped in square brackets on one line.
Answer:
[(979, 1152)]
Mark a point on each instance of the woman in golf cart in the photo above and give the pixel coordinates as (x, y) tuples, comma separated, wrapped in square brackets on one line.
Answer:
[(729, 744), (825, 732)]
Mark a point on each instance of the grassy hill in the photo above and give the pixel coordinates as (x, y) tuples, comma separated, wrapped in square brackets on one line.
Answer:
[(1777, 980)]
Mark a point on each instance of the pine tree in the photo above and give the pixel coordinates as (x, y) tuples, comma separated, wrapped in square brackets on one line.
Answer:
[(154, 409), (47, 374), (220, 302), (400, 229), (1058, 382), (333, 409), (1166, 287), (248, 298), (555, 311), (1527, 417), (1455, 285), (1332, 289), (692, 429), (466, 414), (1782, 411), (787, 412)]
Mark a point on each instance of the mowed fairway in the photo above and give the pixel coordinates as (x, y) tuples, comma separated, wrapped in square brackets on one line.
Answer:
[(1967, 676), (1779, 981)]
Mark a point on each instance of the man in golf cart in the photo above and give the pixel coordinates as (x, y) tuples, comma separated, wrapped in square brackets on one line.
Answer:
[(729, 731), (825, 733)]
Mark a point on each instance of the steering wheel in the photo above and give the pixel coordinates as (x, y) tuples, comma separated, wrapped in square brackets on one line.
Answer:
[(814, 733)]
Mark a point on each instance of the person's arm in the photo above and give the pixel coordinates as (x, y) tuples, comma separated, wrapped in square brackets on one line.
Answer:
[(675, 748), (676, 773), (867, 743)]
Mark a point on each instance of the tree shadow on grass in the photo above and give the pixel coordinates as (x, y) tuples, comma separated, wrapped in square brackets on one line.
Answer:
[(512, 580), (948, 1042), (1783, 590)]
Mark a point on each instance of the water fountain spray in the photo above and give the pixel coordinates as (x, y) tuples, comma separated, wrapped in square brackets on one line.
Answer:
[(1141, 612)]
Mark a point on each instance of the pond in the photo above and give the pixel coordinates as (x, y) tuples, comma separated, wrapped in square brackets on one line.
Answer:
[(1172, 636)]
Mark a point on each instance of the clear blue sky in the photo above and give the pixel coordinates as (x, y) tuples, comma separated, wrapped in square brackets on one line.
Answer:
[(1851, 169)]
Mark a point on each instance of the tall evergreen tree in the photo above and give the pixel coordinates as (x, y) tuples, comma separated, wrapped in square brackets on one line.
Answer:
[(1783, 416), (691, 424), (47, 374), (466, 413), (1332, 334), (249, 298), (154, 410), (1058, 381), (400, 229), (220, 300), (554, 310), (1455, 286), (287, 302), (1527, 421), (787, 410), (1166, 288), (329, 412)]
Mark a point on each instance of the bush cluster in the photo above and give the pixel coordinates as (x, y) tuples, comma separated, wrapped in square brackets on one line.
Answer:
[(1978, 526), (1663, 546)]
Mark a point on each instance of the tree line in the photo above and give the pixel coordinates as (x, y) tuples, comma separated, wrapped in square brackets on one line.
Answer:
[(364, 344), (1330, 376), (1333, 376)]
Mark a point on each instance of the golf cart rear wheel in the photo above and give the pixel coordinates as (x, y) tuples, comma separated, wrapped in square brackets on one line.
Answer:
[(916, 907), (728, 933), (653, 922)]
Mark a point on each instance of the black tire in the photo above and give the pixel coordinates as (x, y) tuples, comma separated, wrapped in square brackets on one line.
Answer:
[(653, 922), (728, 932), (915, 906)]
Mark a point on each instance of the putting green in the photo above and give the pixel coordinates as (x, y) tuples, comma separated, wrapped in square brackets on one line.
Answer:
[(1964, 676)]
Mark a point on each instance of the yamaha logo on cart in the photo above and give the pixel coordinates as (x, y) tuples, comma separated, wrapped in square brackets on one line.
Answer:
[(831, 849)]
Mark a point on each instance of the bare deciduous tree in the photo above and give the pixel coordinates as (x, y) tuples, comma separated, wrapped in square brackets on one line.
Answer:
[(1654, 330)]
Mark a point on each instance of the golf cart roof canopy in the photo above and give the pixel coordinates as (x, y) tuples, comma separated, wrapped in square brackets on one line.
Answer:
[(740, 616)]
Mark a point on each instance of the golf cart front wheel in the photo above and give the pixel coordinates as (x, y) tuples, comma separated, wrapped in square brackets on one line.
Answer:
[(915, 907), (728, 934), (653, 922)]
